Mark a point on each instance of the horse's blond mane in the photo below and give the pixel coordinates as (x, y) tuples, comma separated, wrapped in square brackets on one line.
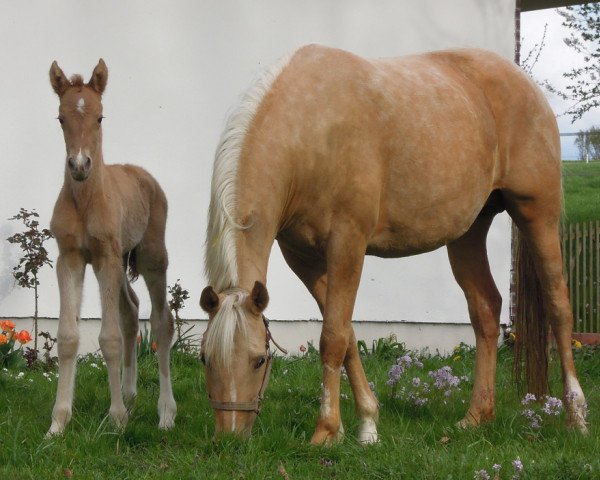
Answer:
[(220, 260), (218, 343)]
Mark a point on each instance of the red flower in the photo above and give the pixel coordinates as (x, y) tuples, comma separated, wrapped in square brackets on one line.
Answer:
[(7, 325), (23, 337)]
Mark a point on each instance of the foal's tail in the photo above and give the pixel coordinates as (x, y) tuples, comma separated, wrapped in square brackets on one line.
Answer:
[(529, 322), (130, 265)]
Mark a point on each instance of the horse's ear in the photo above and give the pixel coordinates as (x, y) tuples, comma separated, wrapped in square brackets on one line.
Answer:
[(58, 80), (209, 300), (99, 77), (259, 298)]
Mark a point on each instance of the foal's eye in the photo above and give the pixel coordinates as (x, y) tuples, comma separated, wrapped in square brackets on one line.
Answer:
[(261, 362), (100, 120), (61, 120)]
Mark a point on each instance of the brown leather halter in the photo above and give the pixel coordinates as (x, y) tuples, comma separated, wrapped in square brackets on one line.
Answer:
[(256, 404)]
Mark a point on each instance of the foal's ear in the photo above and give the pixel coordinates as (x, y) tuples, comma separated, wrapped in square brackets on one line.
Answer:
[(99, 77), (58, 80), (258, 299), (209, 300)]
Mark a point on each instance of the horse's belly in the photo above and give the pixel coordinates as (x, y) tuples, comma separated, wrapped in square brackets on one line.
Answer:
[(423, 231)]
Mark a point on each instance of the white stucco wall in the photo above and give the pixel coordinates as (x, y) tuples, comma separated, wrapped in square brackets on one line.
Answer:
[(176, 69)]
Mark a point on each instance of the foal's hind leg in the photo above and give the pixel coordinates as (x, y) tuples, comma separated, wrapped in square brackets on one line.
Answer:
[(468, 258), (542, 237), (109, 271), (128, 307), (314, 277), (153, 268)]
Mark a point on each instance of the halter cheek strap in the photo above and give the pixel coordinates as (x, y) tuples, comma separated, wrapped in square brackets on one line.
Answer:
[(256, 404)]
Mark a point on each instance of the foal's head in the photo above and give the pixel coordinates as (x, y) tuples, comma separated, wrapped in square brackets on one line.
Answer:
[(80, 116), (236, 355)]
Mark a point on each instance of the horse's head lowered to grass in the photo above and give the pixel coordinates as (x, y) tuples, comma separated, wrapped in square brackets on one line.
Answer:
[(235, 352), (80, 116)]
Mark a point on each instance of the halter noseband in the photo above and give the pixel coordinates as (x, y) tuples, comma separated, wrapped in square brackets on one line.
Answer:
[(256, 404)]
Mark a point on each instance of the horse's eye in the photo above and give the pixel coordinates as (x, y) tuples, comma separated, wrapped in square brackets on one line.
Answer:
[(260, 362), (100, 120), (61, 120)]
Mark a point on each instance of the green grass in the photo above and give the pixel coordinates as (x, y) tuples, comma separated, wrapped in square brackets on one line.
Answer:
[(410, 444), (581, 184)]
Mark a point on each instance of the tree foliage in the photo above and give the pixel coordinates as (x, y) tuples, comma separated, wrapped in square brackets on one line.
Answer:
[(588, 144), (583, 89)]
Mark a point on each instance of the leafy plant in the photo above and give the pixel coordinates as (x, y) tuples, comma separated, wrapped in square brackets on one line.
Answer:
[(176, 303), (145, 344), (35, 256), (387, 348)]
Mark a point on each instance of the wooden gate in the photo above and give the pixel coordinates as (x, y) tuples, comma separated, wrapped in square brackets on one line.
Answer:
[(580, 244)]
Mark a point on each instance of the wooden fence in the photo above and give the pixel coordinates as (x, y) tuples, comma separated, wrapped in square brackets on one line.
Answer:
[(580, 244)]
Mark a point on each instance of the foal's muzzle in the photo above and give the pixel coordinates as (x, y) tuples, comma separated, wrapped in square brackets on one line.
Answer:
[(79, 166)]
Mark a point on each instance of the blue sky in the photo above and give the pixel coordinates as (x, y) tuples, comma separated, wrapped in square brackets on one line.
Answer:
[(555, 59)]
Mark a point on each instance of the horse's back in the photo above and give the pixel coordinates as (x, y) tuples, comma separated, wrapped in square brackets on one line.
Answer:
[(409, 147)]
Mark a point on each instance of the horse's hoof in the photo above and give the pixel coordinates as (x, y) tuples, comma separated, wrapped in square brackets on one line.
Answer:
[(325, 437), (367, 434)]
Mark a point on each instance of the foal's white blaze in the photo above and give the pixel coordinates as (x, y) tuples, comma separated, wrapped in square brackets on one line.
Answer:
[(81, 105)]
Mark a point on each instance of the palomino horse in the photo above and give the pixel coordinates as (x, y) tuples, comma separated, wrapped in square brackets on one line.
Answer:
[(107, 215), (335, 157)]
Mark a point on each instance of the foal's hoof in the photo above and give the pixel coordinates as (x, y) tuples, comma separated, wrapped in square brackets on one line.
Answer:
[(119, 416), (54, 432), (167, 410)]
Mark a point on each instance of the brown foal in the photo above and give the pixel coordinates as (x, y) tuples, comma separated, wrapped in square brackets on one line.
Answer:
[(109, 216)]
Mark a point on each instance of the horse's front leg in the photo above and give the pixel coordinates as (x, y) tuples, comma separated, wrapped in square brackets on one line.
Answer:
[(109, 271), (345, 256), (70, 269)]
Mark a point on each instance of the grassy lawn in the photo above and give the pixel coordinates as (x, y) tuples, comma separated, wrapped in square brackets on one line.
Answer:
[(581, 183), (416, 442)]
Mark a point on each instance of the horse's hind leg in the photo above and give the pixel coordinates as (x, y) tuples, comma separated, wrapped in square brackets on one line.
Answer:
[(153, 267), (314, 277), (468, 258), (70, 269), (542, 237), (128, 307)]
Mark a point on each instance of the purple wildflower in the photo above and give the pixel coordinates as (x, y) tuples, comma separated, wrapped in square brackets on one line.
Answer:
[(443, 379), (518, 466), (553, 406), (535, 421), (481, 475), (496, 467), (528, 398)]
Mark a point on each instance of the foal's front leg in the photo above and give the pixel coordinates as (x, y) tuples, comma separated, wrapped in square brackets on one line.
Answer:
[(70, 269), (109, 272)]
